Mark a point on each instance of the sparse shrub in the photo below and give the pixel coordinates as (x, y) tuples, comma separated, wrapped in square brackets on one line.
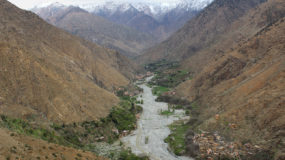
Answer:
[(178, 107), (54, 154), (123, 119), (13, 150), (128, 155), (146, 140), (187, 112), (166, 113), (176, 139)]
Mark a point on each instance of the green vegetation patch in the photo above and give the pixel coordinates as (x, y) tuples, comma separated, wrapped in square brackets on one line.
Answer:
[(158, 90), (84, 135), (176, 140), (167, 113), (167, 73), (161, 65), (172, 100), (124, 119), (24, 127), (195, 106), (81, 135), (170, 78), (128, 155)]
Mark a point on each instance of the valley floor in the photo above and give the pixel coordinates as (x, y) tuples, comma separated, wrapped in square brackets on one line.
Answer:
[(148, 138)]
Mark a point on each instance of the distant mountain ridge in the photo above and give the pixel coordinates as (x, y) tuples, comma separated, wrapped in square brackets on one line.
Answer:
[(155, 10), (77, 21), (160, 19), (206, 34), (150, 7), (160, 23)]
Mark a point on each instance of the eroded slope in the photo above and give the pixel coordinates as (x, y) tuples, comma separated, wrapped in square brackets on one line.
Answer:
[(49, 74), (241, 95), (216, 30)]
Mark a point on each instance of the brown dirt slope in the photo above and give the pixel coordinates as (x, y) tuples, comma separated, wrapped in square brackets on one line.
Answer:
[(237, 50), (246, 89), (49, 74), (15, 146), (216, 30)]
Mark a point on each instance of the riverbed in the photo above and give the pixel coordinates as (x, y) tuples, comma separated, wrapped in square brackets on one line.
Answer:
[(152, 129)]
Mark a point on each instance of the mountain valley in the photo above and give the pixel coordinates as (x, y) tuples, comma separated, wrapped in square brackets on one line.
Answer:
[(235, 58), (142, 80), (125, 27)]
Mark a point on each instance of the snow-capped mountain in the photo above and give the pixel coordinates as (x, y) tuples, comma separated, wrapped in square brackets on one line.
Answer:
[(159, 18), (154, 8)]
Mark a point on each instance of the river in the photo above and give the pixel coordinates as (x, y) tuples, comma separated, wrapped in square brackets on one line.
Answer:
[(153, 129)]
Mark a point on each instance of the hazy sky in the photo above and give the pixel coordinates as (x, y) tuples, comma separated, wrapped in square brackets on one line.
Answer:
[(27, 4)]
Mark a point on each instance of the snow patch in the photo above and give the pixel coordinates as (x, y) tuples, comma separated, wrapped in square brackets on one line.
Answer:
[(150, 7)]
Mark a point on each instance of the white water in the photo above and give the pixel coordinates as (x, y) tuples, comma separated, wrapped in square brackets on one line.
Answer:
[(154, 126)]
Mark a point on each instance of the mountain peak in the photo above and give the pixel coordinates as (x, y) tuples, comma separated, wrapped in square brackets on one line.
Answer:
[(150, 7)]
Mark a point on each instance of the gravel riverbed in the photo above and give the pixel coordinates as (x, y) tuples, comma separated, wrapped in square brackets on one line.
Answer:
[(152, 129)]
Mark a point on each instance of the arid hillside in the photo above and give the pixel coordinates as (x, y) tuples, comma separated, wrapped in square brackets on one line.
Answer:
[(17, 146), (241, 95), (49, 74), (215, 30), (240, 92), (79, 22), (233, 53)]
